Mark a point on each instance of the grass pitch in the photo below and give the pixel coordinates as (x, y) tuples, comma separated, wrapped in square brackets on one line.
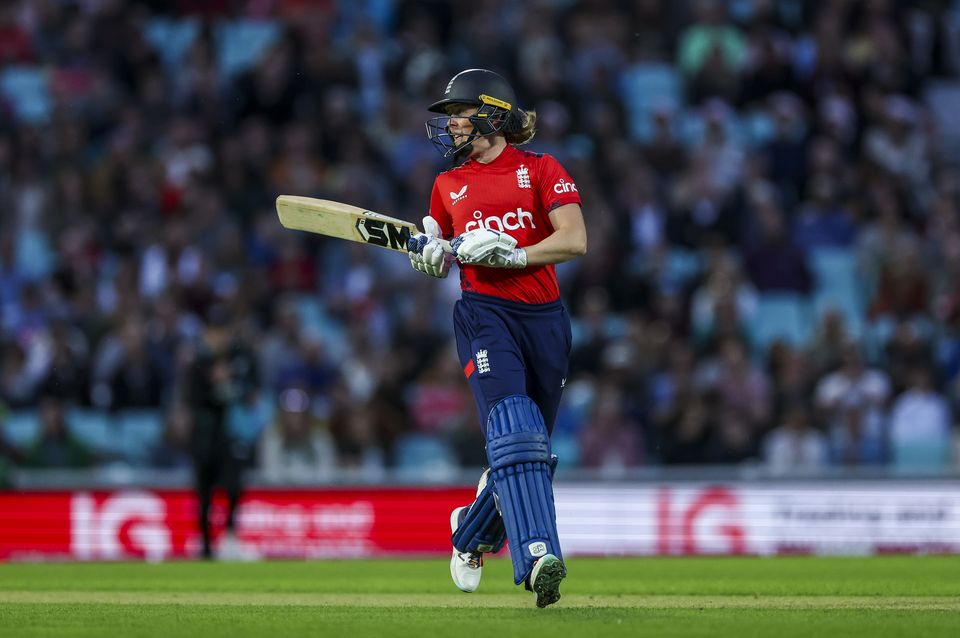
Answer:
[(742, 597)]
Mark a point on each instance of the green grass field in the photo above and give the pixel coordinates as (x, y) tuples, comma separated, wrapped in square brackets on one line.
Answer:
[(742, 597)]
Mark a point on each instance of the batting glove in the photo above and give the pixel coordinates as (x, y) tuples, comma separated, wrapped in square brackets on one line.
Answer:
[(426, 253), (487, 247)]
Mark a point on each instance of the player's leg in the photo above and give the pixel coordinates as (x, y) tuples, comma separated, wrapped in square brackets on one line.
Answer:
[(518, 449), (476, 528), (205, 473), (493, 369), (546, 341), (231, 475), (546, 344), (479, 528), (230, 480), (494, 364)]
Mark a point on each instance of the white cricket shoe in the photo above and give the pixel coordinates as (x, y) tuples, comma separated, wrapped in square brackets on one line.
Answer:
[(545, 578), (465, 567)]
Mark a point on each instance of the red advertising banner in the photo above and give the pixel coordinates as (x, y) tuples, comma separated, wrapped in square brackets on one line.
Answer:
[(161, 524)]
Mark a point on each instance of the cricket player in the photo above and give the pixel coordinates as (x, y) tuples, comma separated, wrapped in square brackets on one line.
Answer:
[(510, 215)]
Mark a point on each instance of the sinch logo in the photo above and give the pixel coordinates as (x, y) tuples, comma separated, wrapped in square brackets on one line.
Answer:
[(510, 220)]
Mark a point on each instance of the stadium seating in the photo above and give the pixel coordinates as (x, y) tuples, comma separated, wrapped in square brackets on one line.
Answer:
[(21, 427), (942, 97), (833, 268), (241, 43), (920, 457), (314, 318), (645, 87), (95, 429), (781, 316), (27, 89), (139, 432), (171, 39), (421, 455)]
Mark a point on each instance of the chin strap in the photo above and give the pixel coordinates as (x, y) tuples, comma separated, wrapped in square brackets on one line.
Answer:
[(461, 153)]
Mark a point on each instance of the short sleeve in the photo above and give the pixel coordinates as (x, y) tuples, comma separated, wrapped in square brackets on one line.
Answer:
[(555, 185), (439, 212)]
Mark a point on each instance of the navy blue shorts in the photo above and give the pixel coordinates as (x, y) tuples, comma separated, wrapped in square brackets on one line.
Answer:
[(506, 347)]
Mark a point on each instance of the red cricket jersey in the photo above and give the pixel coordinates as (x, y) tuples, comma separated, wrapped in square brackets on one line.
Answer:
[(513, 194)]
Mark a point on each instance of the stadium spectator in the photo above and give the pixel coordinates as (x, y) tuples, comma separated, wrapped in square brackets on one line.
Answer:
[(136, 380), (795, 445), (906, 350), (687, 432), (790, 374), (786, 153), (722, 302), (852, 403), (18, 384), (828, 342), (56, 446), (663, 152), (772, 262), (296, 448), (740, 386), (920, 425), (903, 291), (610, 442), (712, 52), (884, 236), (822, 221), (355, 433), (899, 150), (173, 450)]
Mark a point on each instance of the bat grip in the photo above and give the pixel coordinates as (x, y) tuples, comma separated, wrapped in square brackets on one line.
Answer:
[(416, 244)]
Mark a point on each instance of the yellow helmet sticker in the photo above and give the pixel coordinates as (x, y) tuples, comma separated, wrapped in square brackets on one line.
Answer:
[(492, 101)]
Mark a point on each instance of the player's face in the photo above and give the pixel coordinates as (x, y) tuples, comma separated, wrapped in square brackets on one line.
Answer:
[(460, 125)]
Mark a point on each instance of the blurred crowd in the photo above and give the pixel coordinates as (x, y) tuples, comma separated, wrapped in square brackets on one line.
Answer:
[(771, 187)]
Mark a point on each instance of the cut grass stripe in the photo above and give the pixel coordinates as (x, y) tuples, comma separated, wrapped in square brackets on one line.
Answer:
[(495, 601)]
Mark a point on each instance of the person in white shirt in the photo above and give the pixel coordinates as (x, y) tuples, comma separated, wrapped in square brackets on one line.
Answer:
[(795, 445), (920, 422), (294, 449), (855, 391)]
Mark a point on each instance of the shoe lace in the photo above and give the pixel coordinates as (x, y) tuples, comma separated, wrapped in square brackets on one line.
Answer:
[(474, 560)]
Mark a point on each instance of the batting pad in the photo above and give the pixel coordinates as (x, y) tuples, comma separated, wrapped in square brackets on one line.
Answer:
[(482, 528), (518, 448)]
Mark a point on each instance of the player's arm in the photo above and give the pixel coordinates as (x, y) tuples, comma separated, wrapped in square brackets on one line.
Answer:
[(499, 250), (567, 241)]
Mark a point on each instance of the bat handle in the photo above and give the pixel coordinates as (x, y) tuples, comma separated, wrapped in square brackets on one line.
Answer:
[(416, 244)]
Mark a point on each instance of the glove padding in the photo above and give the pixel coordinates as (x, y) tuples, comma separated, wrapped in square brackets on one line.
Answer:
[(487, 247), (426, 253)]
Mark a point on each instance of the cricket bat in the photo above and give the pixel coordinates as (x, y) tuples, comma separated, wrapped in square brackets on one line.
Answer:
[(336, 219)]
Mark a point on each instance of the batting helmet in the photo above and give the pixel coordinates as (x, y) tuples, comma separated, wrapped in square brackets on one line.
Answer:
[(497, 109)]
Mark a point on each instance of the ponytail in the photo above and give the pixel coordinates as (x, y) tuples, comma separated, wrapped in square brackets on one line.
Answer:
[(525, 128)]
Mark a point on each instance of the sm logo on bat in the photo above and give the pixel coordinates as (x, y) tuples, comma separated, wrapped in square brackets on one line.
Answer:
[(382, 233)]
